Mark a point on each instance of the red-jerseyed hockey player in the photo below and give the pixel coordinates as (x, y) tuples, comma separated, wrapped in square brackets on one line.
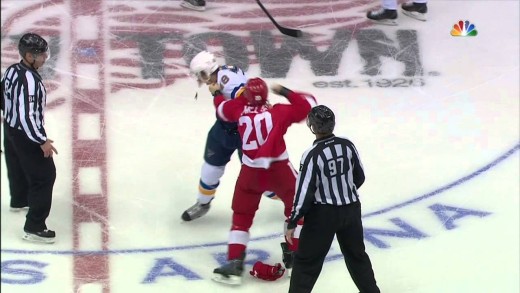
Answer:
[(265, 164)]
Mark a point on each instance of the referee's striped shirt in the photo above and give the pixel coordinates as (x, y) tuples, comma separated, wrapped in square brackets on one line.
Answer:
[(23, 101), (330, 173)]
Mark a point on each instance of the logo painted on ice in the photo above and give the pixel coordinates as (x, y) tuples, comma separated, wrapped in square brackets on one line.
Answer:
[(24, 272), (148, 49)]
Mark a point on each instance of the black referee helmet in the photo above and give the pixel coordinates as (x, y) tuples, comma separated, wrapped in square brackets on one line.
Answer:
[(321, 120), (32, 43)]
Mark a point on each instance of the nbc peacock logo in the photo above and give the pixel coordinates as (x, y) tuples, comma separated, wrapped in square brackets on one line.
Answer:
[(464, 29)]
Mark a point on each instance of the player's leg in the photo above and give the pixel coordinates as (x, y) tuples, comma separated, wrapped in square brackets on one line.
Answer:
[(216, 155), (245, 204)]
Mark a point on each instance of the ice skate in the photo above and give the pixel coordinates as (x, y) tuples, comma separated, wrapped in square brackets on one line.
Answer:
[(45, 236), (230, 273), (196, 211), (287, 257), (197, 5), (383, 16), (415, 10)]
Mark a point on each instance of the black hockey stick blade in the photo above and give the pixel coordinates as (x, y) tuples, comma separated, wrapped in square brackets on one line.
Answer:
[(284, 30)]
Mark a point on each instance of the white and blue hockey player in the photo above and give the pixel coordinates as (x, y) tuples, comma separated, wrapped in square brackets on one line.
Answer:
[(223, 137)]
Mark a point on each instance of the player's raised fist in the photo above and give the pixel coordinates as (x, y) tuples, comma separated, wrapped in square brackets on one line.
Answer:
[(276, 88)]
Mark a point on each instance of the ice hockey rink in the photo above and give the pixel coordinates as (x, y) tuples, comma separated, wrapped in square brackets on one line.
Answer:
[(435, 118)]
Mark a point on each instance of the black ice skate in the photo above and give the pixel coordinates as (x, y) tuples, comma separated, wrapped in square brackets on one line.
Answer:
[(196, 211), (383, 16), (198, 5), (230, 273), (287, 258), (415, 10), (45, 236)]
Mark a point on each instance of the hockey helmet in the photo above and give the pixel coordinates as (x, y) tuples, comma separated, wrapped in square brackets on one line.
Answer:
[(32, 43), (321, 120), (203, 65), (256, 92)]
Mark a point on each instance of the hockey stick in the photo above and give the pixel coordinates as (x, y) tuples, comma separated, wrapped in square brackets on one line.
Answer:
[(284, 30)]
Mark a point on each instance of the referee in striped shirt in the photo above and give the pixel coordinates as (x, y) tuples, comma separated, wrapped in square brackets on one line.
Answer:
[(27, 149), (326, 195)]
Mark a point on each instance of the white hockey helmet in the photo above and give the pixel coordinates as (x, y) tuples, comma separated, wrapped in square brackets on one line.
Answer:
[(203, 65)]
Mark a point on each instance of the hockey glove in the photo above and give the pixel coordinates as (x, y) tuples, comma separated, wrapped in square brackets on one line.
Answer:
[(215, 89), (280, 90), (267, 272)]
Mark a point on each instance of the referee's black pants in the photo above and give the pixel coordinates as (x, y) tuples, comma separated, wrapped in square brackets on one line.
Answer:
[(320, 225), (31, 177)]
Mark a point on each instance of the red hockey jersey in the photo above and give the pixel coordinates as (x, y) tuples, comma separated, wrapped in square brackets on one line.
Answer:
[(262, 128)]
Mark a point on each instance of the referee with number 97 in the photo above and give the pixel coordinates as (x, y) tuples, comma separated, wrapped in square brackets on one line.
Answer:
[(327, 196)]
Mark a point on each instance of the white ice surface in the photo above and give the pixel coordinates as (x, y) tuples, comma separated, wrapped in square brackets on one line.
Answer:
[(453, 142)]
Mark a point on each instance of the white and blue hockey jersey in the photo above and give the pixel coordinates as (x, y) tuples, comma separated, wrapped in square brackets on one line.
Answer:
[(232, 80)]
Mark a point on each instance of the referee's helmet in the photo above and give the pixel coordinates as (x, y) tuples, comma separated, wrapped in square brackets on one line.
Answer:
[(321, 120), (32, 43)]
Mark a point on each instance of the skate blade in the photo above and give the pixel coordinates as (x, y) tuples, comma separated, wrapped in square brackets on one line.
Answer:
[(229, 280), (37, 239), (391, 22), (415, 15)]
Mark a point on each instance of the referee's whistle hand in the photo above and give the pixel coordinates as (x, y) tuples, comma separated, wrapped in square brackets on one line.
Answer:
[(48, 148)]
